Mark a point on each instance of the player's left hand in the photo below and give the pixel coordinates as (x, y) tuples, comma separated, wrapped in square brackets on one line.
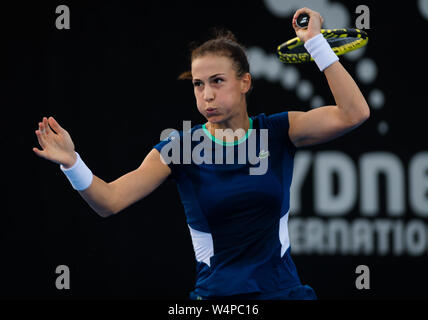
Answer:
[(314, 27)]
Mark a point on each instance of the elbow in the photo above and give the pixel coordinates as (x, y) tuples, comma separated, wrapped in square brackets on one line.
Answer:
[(112, 207), (362, 115), (113, 210), (105, 213), (108, 213), (365, 114)]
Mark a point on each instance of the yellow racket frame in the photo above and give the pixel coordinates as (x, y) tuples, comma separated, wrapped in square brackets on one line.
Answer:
[(359, 40)]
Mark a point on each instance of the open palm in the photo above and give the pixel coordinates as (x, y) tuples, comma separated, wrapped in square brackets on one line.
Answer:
[(56, 143)]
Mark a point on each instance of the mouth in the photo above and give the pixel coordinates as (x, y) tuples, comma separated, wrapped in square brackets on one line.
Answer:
[(211, 110)]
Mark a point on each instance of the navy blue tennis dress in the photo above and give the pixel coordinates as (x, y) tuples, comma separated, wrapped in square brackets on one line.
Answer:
[(236, 197)]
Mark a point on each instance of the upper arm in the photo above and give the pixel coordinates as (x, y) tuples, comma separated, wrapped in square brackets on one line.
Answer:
[(317, 125), (140, 182)]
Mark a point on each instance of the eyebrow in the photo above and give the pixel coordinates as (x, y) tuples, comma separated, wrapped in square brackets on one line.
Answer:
[(211, 77)]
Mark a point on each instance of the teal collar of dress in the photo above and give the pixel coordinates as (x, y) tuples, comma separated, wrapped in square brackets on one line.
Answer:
[(229, 143)]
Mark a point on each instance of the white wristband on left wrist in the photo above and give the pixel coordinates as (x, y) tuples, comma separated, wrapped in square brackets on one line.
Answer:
[(79, 175)]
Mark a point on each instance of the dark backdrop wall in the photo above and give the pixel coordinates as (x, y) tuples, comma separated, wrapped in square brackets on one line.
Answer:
[(111, 81)]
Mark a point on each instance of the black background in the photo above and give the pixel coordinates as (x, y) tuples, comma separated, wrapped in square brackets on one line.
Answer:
[(111, 81)]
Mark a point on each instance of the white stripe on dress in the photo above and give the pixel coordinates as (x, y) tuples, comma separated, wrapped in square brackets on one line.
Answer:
[(283, 233), (203, 245)]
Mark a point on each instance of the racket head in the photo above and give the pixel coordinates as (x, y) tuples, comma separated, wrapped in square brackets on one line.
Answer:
[(340, 40)]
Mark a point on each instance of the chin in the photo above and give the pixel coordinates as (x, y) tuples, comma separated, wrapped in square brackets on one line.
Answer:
[(214, 119)]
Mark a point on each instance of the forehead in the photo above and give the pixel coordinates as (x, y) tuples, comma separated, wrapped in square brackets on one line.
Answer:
[(208, 65)]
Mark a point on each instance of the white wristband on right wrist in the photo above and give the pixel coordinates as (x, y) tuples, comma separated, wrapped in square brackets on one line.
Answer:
[(79, 175), (321, 51)]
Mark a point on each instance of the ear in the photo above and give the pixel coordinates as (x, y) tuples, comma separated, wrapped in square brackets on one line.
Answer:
[(245, 83)]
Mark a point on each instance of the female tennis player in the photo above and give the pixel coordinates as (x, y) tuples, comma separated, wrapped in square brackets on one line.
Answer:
[(237, 221)]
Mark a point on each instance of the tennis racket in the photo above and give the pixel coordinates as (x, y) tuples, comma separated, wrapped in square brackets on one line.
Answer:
[(340, 40)]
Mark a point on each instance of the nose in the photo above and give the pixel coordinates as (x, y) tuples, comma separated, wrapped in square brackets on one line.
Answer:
[(208, 94)]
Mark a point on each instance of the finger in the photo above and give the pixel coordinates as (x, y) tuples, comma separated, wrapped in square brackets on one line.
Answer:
[(46, 126), (294, 24), (299, 12), (55, 125), (41, 129), (38, 152), (40, 139), (312, 14)]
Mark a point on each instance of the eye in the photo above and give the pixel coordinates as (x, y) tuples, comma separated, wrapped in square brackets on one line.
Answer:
[(218, 80), (197, 83)]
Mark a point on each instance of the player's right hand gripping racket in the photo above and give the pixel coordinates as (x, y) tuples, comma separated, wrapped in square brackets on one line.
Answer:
[(340, 40)]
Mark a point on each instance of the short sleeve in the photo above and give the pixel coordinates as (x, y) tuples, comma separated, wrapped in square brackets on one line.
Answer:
[(167, 148), (278, 126)]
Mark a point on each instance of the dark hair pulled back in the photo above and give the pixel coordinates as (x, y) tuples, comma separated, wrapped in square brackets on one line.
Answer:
[(224, 43)]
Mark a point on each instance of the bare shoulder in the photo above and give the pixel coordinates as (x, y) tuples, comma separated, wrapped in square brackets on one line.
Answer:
[(293, 115), (154, 161)]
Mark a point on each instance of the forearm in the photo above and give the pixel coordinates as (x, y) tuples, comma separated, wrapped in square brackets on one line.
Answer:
[(349, 99), (352, 106), (99, 196), (110, 198), (323, 124), (96, 192)]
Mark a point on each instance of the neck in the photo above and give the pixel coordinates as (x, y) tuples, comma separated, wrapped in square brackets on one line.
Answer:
[(238, 121)]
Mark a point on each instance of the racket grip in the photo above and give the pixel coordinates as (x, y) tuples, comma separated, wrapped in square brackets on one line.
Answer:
[(302, 20)]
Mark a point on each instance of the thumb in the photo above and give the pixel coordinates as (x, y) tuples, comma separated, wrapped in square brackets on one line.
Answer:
[(38, 152), (55, 125)]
